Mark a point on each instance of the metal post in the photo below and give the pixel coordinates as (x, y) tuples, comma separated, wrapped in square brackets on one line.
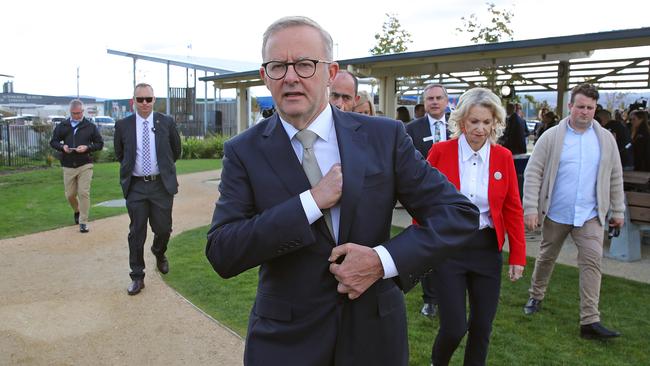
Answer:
[(205, 103), (134, 84), (77, 82), (167, 103)]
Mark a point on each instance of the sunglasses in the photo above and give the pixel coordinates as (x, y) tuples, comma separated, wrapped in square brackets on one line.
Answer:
[(142, 99)]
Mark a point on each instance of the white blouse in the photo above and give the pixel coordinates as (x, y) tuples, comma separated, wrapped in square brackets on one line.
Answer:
[(474, 169)]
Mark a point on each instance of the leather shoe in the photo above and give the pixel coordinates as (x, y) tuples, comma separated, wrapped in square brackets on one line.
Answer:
[(532, 306), (429, 310), (83, 228), (162, 264), (76, 218), (135, 287), (597, 331)]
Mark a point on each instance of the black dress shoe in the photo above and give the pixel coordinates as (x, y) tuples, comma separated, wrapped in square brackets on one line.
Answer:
[(429, 310), (162, 264), (135, 287), (76, 218), (532, 306), (83, 228), (597, 331)]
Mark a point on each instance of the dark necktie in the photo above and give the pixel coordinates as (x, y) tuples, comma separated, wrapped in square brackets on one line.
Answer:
[(311, 168)]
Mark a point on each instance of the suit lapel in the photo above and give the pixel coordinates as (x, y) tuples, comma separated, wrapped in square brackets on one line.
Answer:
[(279, 153), (132, 137), (353, 157)]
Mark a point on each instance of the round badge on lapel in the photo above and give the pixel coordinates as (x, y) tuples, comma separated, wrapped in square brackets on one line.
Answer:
[(498, 175)]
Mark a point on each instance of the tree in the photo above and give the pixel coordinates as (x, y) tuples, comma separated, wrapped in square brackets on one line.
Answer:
[(498, 28), (393, 38)]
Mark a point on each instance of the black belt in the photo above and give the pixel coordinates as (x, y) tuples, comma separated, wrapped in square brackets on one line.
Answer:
[(146, 178)]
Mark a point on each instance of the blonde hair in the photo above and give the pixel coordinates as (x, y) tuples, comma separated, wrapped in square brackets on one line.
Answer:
[(364, 97), (478, 97)]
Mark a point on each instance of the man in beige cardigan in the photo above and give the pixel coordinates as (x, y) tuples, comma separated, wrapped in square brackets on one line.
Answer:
[(573, 179)]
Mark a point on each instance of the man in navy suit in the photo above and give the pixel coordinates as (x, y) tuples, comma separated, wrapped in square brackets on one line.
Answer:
[(426, 131), (329, 273), (147, 145)]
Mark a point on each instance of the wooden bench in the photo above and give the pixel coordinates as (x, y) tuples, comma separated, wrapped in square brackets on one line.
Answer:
[(627, 246)]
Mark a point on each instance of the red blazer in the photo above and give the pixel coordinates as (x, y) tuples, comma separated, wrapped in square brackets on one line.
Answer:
[(503, 194)]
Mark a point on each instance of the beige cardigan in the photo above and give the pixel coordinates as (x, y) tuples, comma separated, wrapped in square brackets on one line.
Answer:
[(543, 164)]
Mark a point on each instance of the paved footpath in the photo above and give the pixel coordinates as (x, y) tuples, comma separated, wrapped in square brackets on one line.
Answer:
[(63, 297)]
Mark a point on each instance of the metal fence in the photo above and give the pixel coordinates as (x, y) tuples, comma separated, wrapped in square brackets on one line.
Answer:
[(29, 145), (24, 145)]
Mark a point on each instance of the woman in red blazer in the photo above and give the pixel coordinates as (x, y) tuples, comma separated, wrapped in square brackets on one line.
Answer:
[(485, 173)]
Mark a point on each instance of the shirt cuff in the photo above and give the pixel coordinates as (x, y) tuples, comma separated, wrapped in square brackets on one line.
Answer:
[(310, 207), (387, 262)]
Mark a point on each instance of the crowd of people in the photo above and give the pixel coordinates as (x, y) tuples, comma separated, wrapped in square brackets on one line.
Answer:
[(307, 194)]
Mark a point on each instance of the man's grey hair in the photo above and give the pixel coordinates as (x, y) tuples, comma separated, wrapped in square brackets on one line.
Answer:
[(431, 86), (297, 21), (76, 103)]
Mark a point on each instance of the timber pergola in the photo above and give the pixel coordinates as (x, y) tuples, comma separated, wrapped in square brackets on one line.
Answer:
[(543, 64)]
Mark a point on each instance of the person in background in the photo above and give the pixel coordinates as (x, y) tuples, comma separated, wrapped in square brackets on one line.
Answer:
[(426, 131), (485, 173), (419, 111), (548, 120), (573, 182), (365, 104), (76, 138), (621, 134), (514, 136), (403, 114), (147, 145), (343, 91), (640, 140)]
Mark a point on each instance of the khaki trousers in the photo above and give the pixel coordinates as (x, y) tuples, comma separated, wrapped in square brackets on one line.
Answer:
[(589, 240), (77, 189)]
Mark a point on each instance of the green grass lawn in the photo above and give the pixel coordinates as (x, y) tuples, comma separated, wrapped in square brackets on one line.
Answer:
[(547, 338), (34, 200)]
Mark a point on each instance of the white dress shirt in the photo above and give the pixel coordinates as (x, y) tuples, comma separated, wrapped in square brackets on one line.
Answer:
[(137, 170), (438, 128), (326, 150), (474, 170)]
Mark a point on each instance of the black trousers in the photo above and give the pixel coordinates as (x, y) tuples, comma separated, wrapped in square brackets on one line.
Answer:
[(148, 202), (428, 283), (476, 273)]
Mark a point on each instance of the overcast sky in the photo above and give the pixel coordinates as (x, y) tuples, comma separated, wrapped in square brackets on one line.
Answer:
[(43, 43)]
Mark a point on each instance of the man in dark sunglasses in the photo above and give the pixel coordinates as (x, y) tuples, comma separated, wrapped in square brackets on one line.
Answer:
[(147, 145)]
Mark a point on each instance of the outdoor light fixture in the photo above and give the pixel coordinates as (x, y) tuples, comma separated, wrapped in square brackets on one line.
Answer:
[(507, 91)]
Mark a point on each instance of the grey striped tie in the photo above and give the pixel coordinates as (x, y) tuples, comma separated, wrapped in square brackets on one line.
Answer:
[(311, 168)]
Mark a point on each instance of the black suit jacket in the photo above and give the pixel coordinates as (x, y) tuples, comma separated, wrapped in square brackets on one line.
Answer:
[(419, 129), (168, 150), (298, 317)]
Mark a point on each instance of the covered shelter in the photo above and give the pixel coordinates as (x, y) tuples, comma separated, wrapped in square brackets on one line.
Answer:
[(545, 64)]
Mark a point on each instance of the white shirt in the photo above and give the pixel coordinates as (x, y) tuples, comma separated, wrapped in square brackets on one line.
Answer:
[(438, 128), (574, 194), (474, 170), (326, 150), (139, 121)]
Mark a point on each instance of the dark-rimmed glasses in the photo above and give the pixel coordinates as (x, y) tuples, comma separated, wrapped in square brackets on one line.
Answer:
[(304, 68), (142, 99)]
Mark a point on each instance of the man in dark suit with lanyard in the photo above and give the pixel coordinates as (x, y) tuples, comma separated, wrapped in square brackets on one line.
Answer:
[(425, 132), (307, 195), (147, 145)]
